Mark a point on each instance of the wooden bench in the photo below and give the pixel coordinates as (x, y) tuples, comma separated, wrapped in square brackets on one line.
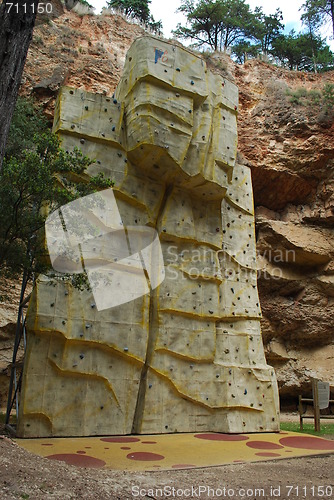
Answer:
[(317, 416)]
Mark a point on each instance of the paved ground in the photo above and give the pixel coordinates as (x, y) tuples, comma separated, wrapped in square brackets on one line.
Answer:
[(28, 476)]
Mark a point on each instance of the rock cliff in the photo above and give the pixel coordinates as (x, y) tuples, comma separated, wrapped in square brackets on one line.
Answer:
[(286, 128)]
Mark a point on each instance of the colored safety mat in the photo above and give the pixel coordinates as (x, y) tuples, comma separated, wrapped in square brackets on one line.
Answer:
[(176, 451)]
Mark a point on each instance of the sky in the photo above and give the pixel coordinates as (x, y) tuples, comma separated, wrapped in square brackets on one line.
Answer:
[(165, 10)]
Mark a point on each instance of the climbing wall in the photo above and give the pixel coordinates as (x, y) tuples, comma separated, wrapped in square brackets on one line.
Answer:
[(187, 356)]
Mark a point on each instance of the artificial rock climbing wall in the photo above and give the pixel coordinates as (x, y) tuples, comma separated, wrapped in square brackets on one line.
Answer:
[(188, 356)]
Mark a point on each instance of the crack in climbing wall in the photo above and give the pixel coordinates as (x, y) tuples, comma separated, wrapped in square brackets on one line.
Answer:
[(139, 411)]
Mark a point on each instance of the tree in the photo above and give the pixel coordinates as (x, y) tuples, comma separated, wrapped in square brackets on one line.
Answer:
[(318, 12), (302, 52), (312, 23), (267, 28), (16, 28), (245, 50), (42, 174), (215, 23), (133, 8)]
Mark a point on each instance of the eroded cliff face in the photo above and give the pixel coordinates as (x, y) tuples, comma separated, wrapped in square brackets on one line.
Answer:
[(289, 148)]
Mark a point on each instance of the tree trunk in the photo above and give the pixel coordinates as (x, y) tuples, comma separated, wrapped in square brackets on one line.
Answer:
[(332, 13), (16, 28)]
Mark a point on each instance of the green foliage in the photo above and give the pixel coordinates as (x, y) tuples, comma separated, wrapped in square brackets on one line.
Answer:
[(215, 23), (26, 122), (318, 12), (37, 178), (328, 96), (133, 8), (245, 50), (155, 26), (219, 24), (267, 28), (315, 96), (137, 9), (322, 98), (297, 94), (86, 4), (303, 52)]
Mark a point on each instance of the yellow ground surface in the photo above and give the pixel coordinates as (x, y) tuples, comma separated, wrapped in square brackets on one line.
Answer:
[(176, 451)]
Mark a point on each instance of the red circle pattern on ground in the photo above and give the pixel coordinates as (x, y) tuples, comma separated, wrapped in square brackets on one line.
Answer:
[(120, 439), (78, 460), (263, 445), (144, 456), (222, 437), (307, 443)]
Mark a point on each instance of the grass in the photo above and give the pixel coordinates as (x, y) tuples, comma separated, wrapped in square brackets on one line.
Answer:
[(325, 429)]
